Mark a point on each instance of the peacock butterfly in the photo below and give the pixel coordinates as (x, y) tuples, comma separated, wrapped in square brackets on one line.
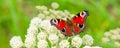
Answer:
[(75, 25)]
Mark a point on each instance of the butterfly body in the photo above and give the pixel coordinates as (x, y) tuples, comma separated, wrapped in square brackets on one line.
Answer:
[(68, 27)]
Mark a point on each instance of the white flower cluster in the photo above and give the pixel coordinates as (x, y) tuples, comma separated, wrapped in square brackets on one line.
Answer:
[(112, 35), (53, 39), (64, 44), (42, 44), (16, 42), (88, 40), (42, 35), (76, 41), (92, 47), (46, 13), (32, 31)]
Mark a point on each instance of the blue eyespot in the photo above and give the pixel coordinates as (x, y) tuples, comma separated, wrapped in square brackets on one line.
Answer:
[(53, 22)]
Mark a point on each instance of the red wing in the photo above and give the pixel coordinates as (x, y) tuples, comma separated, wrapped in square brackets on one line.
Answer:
[(80, 17), (77, 29), (77, 20), (61, 24), (76, 24)]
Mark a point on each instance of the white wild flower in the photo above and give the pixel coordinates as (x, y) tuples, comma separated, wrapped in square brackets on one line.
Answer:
[(64, 44), (105, 39), (53, 47), (16, 42), (96, 47), (32, 30), (46, 12), (45, 24), (76, 41), (107, 34), (35, 22), (53, 39), (51, 11), (55, 5), (53, 30), (114, 36), (87, 39), (92, 47), (117, 44), (87, 47), (67, 13), (56, 13), (41, 36), (42, 8), (114, 32), (42, 16), (61, 35), (30, 41), (42, 44)]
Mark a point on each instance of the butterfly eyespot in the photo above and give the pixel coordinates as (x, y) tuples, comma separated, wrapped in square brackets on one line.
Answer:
[(82, 13), (80, 25), (53, 22), (63, 30), (70, 26)]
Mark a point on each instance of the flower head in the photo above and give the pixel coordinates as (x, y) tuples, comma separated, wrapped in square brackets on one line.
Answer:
[(87, 40), (32, 30), (53, 47), (41, 15), (41, 36), (16, 42), (41, 8), (112, 35), (55, 5), (45, 24), (42, 44), (53, 39), (87, 47), (105, 39), (96, 47), (35, 22), (30, 41), (107, 34), (61, 35), (64, 44), (117, 44), (92, 47), (76, 41), (53, 30)]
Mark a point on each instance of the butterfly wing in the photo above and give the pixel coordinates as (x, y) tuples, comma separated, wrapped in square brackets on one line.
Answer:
[(75, 25), (78, 21), (62, 26)]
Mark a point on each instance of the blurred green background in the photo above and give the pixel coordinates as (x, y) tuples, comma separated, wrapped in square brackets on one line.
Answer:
[(15, 17)]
